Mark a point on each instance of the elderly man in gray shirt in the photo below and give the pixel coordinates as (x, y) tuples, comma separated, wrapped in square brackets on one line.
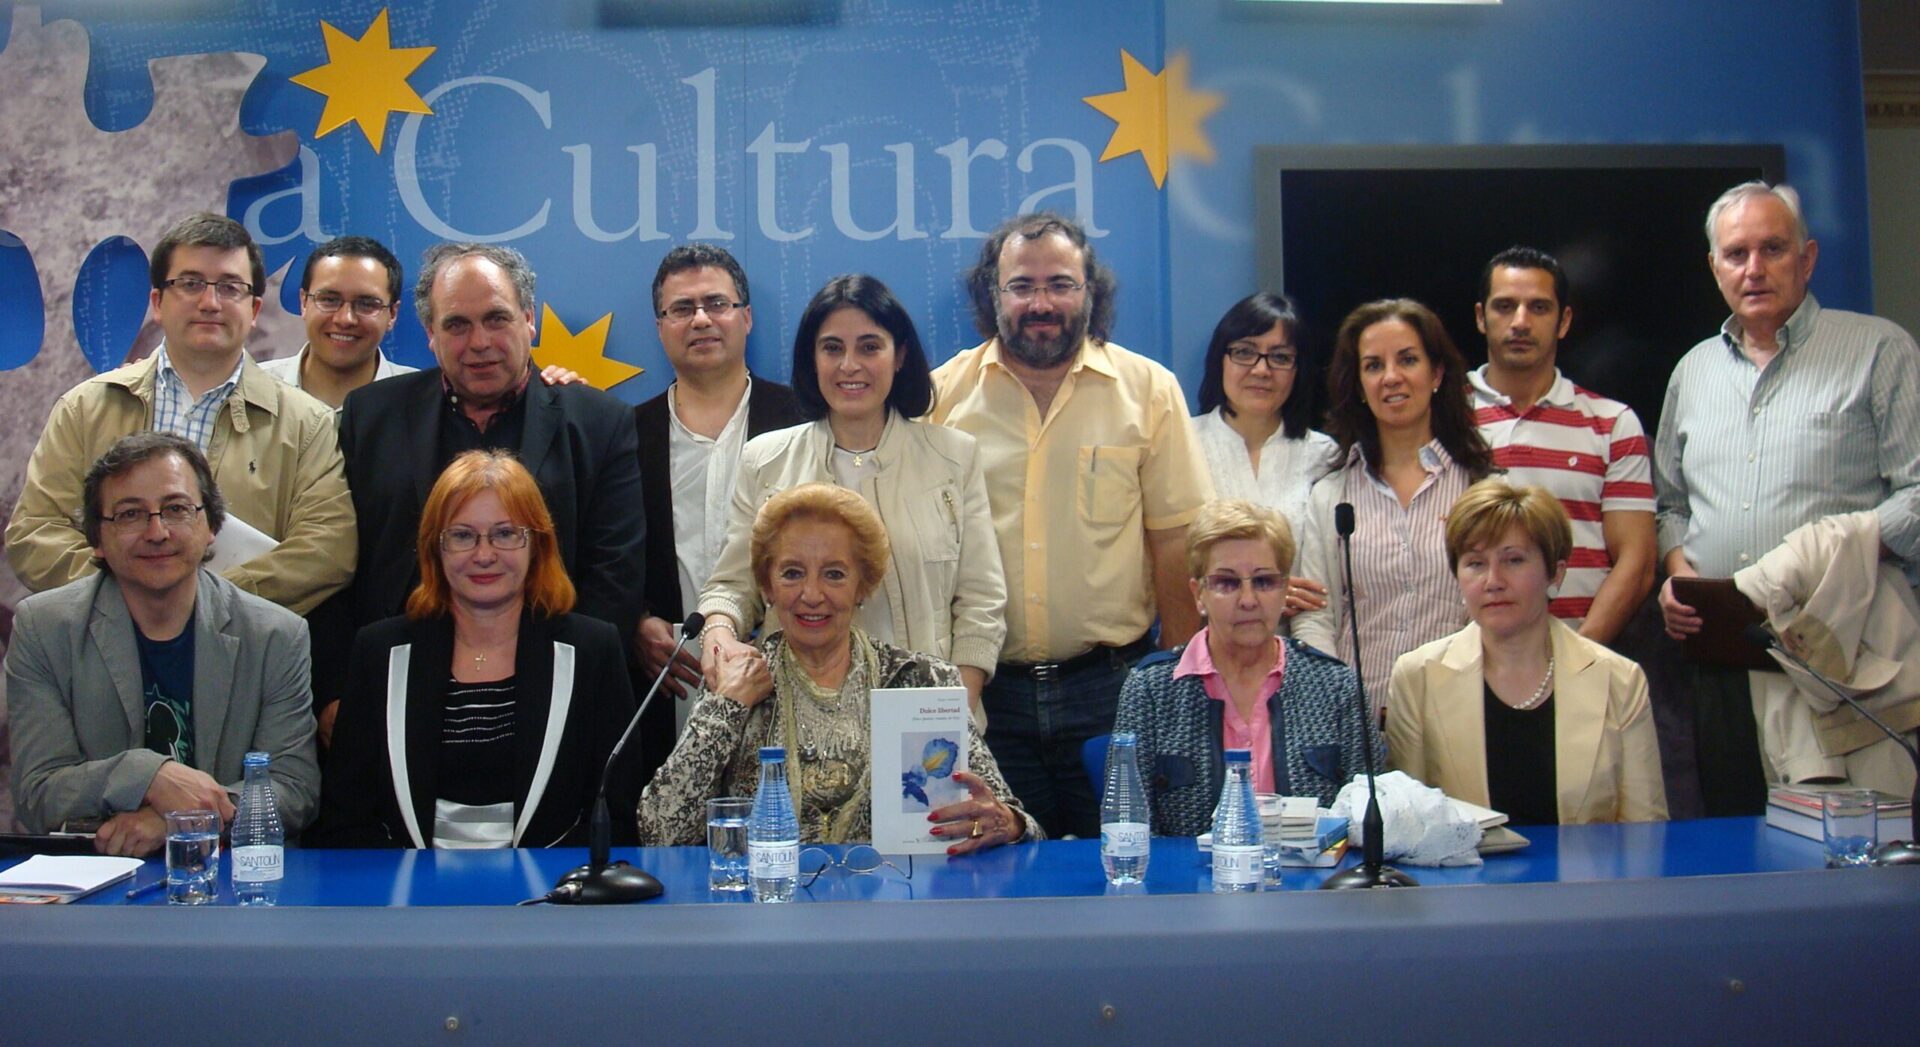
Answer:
[(1790, 413)]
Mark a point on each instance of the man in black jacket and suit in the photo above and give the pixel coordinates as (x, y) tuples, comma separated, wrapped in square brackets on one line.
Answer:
[(690, 440), (476, 302)]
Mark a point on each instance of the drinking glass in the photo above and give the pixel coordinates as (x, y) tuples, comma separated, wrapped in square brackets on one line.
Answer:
[(193, 857), (727, 842), (1851, 821)]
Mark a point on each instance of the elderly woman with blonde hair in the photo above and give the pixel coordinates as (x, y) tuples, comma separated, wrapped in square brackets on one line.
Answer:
[(1517, 711), (818, 551), (1236, 685)]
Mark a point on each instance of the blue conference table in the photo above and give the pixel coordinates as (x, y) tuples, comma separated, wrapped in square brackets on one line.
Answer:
[(1722, 929)]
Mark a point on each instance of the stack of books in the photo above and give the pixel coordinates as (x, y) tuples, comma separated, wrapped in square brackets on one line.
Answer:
[(1796, 808), (1320, 848), (1303, 834), (1285, 818)]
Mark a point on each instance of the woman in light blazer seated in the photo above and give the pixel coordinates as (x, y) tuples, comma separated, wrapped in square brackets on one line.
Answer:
[(860, 372), (484, 715), (1518, 712)]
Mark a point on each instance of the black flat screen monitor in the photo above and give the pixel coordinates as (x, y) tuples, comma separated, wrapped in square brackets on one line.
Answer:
[(1342, 225)]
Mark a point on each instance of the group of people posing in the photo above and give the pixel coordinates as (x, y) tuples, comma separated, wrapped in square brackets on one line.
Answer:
[(491, 561)]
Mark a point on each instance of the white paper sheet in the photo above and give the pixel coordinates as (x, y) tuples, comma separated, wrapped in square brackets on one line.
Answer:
[(67, 873), (237, 543)]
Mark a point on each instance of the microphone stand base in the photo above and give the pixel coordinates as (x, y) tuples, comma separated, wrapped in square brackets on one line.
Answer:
[(1361, 877), (616, 884), (1899, 852)]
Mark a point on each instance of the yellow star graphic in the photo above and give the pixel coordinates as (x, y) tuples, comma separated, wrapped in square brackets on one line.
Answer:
[(364, 80), (1157, 116), (585, 352)]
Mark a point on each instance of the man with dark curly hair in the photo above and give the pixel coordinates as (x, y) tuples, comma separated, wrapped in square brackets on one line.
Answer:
[(1093, 472)]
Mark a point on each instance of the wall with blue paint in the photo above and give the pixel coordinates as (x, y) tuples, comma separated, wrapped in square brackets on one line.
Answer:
[(887, 137), (1527, 71)]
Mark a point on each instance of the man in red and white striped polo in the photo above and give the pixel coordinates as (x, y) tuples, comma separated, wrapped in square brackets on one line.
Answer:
[(1547, 432)]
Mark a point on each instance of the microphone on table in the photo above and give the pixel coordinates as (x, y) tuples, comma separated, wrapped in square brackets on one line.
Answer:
[(1370, 872), (1895, 852), (597, 882)]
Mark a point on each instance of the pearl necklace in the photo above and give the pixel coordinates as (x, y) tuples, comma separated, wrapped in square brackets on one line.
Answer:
[(1540, 693)]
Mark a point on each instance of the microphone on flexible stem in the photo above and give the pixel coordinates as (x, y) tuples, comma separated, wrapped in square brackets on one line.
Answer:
[(597, 882), (1895, 852), (1370, 872)]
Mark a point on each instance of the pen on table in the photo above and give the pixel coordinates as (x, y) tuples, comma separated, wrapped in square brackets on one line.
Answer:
[(145, 889)]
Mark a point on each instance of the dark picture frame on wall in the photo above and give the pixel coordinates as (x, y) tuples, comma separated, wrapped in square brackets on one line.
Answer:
[(1342, 225)]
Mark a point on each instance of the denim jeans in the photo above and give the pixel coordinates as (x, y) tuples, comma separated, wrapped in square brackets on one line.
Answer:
[(1035, 729)]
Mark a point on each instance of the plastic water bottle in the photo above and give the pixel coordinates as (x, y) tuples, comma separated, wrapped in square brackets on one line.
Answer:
[(773, 835), (1237, 835), (259, 844), (1123, 814)]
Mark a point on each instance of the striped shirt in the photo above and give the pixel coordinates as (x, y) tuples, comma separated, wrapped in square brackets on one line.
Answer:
[(477, 743), (1832, 425), (176, 411), (1588, 451), (1404, 592)]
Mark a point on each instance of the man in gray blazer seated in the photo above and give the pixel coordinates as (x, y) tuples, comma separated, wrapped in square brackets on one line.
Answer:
[(140, 689)]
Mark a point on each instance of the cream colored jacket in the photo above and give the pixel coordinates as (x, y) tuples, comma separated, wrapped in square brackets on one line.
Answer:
[(1606, 757), (1827, 593), (945, 583), (275, 455)]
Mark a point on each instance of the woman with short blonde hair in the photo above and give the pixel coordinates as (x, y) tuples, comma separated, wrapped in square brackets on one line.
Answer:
[(1517, 711), (818, 551), (1236, 685)]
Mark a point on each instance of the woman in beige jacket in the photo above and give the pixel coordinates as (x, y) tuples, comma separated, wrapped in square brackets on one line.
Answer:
[(860, 372), (1518, 712)]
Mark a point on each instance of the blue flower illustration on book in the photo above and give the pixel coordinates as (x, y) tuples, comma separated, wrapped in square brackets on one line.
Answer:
[(936, 761)]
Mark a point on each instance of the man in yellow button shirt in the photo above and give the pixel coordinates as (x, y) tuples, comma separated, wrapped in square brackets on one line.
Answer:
[(1093, 473)]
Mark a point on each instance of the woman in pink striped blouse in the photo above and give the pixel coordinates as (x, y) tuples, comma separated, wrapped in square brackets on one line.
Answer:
[(1400, 411)]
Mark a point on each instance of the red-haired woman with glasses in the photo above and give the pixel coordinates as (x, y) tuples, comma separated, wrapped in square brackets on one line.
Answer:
[(483, 716)]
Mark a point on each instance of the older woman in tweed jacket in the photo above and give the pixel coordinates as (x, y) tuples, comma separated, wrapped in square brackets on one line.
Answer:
[(1237, 685)]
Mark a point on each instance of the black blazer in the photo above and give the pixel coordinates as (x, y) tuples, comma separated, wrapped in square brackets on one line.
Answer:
[(578, 443), (770, 406), (359, 798)]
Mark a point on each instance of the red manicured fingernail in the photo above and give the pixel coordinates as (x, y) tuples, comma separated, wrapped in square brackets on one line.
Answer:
[(951, 851)]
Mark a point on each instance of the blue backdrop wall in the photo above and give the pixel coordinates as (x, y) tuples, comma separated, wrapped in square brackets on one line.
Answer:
[(883, 137), (813, 137)]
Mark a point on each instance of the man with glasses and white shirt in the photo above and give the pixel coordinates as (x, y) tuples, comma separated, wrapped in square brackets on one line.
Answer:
[(272, 448), (690, 438), (1093, 473), (139, 690), (349, 299)]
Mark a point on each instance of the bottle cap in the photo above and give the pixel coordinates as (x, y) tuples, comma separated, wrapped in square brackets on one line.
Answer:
[(258, 759), (1239, 755), (1125, 738), (773, 754)]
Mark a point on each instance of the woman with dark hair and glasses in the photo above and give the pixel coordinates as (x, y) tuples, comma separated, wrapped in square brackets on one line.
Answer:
[(859, 371), (484, 715), (1409, 449), (1236, 685), (1256, 404)]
